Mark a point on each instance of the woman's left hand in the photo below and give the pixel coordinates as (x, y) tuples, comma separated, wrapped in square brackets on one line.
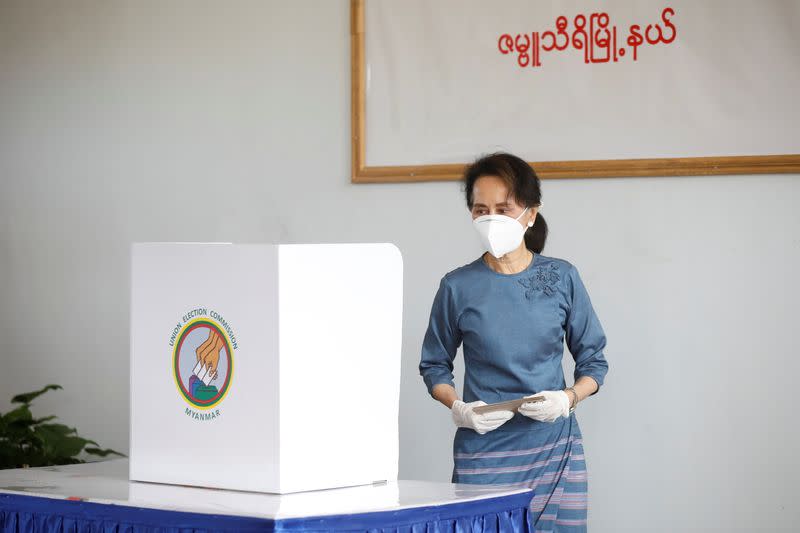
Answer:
[(555, 405)]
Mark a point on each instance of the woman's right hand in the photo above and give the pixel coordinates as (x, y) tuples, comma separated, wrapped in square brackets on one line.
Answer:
[(465, 417)]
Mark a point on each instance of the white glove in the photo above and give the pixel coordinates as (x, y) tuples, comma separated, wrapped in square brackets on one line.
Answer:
[(555, 404), (465, 417)]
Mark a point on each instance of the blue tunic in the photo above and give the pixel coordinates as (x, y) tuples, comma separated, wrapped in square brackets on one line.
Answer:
[(513, 328)]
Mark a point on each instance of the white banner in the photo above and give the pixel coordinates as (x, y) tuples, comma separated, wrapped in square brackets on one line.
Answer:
[(577, 80)]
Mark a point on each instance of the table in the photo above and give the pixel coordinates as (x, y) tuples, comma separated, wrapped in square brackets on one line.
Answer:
[(97, 497)]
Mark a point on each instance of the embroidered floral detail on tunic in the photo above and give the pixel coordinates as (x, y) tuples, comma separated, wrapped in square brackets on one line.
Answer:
[(543, 279)]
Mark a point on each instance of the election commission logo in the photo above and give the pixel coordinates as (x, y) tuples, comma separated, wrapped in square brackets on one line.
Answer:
[(202, 361)]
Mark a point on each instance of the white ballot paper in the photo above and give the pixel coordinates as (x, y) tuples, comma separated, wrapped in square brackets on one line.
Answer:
[(201, 371), (511, 405)]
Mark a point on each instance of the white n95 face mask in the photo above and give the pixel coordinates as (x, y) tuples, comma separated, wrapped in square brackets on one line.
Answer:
[(500, 234)]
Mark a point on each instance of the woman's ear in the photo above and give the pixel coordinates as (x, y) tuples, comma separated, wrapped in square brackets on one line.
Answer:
[(532, 218)]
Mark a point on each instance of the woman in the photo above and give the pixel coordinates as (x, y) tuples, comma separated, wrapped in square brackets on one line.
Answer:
[(512, 308)]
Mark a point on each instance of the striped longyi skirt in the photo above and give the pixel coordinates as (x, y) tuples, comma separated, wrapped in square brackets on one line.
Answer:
[(545, 456)]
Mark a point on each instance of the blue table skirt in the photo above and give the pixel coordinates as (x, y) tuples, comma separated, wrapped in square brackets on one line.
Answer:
[(27, 514)]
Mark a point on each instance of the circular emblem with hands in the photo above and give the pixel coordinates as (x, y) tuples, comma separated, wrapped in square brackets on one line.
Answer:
[(202, 363)]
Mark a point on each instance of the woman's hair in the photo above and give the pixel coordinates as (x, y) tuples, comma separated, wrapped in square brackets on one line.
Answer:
[(523, 185)]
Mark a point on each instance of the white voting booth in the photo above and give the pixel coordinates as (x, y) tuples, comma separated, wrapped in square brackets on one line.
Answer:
[(271, 368)]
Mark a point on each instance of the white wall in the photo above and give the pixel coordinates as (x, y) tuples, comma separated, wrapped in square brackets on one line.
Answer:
[(189, 121)]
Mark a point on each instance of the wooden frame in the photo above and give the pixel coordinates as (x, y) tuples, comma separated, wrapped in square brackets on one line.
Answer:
[(682, 166)]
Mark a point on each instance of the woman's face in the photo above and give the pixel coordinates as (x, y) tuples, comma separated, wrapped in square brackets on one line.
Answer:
[(490, 197)]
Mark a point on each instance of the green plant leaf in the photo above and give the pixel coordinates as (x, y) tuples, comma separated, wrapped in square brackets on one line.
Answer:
[(25, 441), (70, 446), (103, 453), (60, 440), (64, 446), (28, 397), (8, 454), (19, 435), (20, 414), (53, 430)]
